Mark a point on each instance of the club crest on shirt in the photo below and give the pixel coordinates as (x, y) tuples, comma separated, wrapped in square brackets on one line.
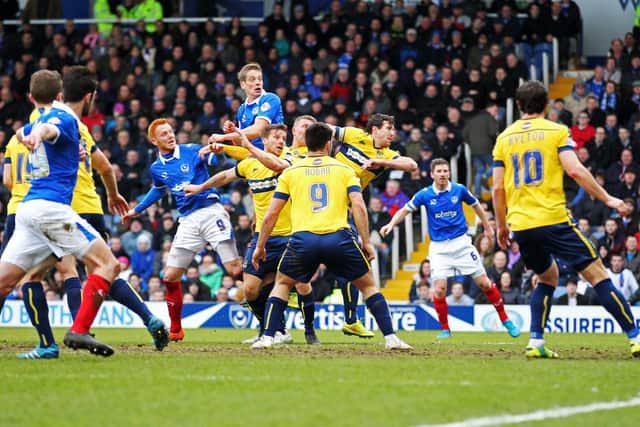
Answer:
[(265, 107), (379, 153), (184, 167), (164, 175), (433, 202), (454, 199), (54, 121)]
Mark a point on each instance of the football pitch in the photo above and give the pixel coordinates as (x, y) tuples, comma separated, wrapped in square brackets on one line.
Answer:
[(212, 379)]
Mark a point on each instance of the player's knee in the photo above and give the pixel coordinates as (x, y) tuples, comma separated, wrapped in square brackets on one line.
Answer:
[(303, 288)]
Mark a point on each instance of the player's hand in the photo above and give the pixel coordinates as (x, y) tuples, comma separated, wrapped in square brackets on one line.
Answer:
[(244, 141), (385, 230), (228, 126), (503, 237), (619, 205), (369, 250), (192, 189), (129, 216), (32, 141), (489, 233), (82, 152), (259, 254), (118, 204), (216, 138), (371, 164)]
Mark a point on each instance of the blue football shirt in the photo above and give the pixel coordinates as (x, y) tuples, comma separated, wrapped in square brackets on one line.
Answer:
[(53, 167), (184, 166), (444, 210), (267, 106)]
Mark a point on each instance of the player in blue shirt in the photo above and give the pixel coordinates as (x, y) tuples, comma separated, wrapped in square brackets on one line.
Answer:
[(46, 226), (259, 109), (451, 251), (203, 219)]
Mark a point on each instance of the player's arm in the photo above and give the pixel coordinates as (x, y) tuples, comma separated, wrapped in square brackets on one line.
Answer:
[(218, 180), (395, 220), (152, 196), (270, 160), (361, 219), (583, 177), (268, 222), (7, 180), (479, 210), (500, 204), (117, 203), (251, 132), (402, 163), (32, 136)]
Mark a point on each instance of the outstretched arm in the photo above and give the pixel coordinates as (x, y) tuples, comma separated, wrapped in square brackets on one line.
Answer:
[(152, 196), (218, 180), (397, 218), (402, 163), (488, 230), (270, 160)]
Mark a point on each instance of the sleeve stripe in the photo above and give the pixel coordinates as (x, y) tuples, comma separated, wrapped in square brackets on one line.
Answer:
[(354, 188), (340, 134), (238, 174), (498, 164), (564, 148), (7, 160), (281, 196), (410, 206)]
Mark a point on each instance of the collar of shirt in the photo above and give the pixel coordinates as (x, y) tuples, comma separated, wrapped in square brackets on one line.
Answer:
[(175, 155), (255, 100), (435, 189), (59, 105)]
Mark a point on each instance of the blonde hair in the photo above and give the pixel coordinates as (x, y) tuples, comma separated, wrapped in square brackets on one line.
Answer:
[(252, 66)]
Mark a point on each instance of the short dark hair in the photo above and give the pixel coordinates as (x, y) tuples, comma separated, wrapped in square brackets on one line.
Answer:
[(317, 135), (438, 162), (531, 97), (378, 120), (77, 82), (45, 85)]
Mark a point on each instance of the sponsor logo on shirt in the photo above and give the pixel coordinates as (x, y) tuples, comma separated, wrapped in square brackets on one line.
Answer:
[(446, 214)]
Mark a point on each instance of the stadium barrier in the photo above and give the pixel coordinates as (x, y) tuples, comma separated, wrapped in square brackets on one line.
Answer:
[(405, 317)]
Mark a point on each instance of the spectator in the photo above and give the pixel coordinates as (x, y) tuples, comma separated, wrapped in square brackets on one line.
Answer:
[(480, 133), (613, 238), (130, 238), (572, 297), (622, 277), (142, 259), (194, 286), (458, 297), (510, 293), (498, 266), (577, 100), (582, 131), (601, 149), (424, 295), (421, 278), (393, 198), (243, 233)]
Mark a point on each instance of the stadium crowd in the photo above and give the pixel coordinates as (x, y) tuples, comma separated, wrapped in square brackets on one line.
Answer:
[(444, 71)]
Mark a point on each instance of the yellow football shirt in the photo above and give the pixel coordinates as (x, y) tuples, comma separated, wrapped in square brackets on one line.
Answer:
[(263, 182), (17, 155), (357, 147), (528, 151), (85, 199), (318, 189)]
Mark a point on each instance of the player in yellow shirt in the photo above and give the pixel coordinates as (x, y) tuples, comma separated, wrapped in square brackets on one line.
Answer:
[(367, 152), (529, 159), (320, 190), (262, 170), (88, 204)]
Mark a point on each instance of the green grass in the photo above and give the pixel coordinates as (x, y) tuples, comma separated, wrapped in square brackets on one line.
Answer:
[(211, 379)]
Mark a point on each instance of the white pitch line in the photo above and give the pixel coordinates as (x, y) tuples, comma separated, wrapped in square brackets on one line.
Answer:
[(543, 414)]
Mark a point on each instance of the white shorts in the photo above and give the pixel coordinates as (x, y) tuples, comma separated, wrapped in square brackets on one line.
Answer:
[(43, 228), (453, 257), (206, 225)]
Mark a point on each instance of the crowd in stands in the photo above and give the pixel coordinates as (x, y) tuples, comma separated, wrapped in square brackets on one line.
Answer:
[(444, 71)]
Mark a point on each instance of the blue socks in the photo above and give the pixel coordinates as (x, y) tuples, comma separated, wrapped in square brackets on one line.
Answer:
[(308, 309), (122, 292), (35, 303), (350, 295), (617, 305), (378, 307), (274, 312), (541, 300), (73, 290)]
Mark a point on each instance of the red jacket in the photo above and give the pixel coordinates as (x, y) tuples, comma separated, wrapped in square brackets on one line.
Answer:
[(581, 136)]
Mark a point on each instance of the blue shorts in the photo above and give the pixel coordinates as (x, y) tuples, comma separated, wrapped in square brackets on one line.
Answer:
[(97, 222), (339, 251), (539, 245), (275, 248), (9, 228)]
